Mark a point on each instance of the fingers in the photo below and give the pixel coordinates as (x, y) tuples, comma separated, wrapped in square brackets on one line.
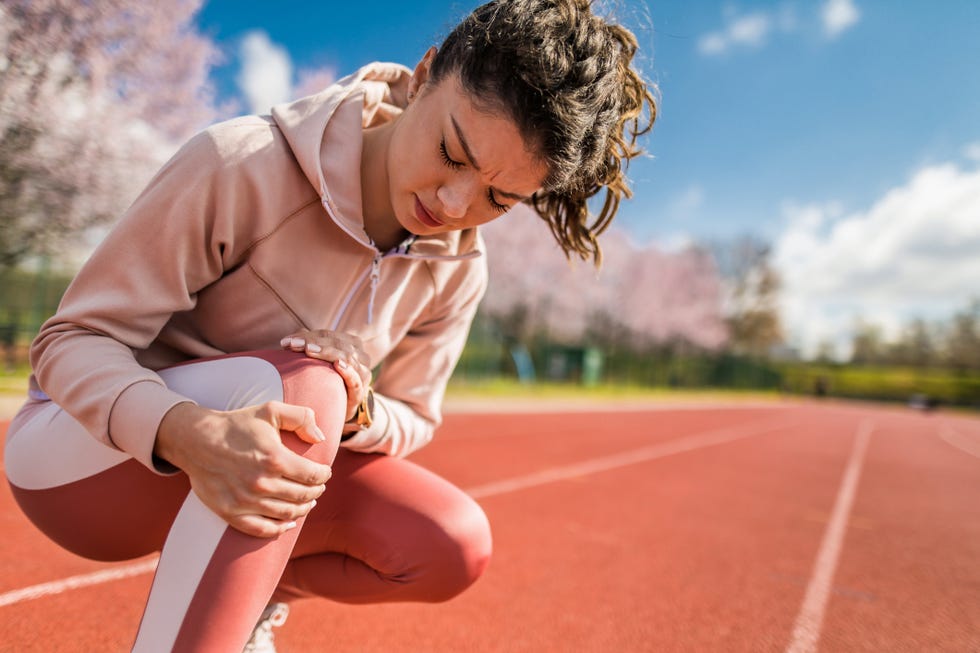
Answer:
[(355, 386), (304, 471), (262, 508), (259, 526), (276, 511), (245, 473), (301, 420), (279, 507), (274, 507), (332, 346), (345, 351), (271, 518)]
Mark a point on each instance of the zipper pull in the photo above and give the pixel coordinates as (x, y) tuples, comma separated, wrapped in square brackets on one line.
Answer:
[(375, 277)]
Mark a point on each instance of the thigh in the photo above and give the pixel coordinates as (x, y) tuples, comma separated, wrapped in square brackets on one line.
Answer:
[(100, 503), (398, 518)]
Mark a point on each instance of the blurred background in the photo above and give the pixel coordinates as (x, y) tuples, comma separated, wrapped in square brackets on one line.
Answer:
[(807, 219)]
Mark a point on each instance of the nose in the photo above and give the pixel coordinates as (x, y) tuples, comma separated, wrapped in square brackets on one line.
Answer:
[(456, 195)]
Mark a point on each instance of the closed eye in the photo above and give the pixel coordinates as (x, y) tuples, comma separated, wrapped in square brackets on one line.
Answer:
[(455, 165), (497, 206)]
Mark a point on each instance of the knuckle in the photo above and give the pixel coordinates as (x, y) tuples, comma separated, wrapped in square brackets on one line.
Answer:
[(317, 478), (267, 410), (239, 496), (315, 494), (274, 466), (282, 511), (257, 485)]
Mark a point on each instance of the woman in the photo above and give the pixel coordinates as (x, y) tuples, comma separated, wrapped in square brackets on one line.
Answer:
[(222, 337)]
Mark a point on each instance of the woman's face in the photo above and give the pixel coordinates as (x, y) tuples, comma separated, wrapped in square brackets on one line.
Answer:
[(451, 166)]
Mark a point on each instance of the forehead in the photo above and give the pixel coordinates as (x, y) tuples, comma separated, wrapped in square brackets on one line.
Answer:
[(505, 159)]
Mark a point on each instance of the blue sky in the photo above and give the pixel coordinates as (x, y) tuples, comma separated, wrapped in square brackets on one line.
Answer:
[(823, 126)]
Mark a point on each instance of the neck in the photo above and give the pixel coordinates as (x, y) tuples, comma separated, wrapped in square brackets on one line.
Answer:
[(379, 216)]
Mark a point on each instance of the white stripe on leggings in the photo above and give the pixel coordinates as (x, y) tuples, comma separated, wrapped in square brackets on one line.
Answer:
[(190, 545)]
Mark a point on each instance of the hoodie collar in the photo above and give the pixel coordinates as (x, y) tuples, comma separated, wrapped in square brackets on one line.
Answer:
[(324, 132)]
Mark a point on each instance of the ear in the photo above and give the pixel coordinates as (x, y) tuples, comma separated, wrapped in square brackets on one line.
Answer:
[(421, 74)]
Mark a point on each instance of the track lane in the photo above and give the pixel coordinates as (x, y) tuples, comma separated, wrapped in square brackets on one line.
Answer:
[(914, 567), (708, 550)]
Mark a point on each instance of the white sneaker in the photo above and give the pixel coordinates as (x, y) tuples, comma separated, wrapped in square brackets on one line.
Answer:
[(262, 640)]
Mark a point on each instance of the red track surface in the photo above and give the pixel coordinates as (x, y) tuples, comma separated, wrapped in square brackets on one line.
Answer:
[(694, 530)]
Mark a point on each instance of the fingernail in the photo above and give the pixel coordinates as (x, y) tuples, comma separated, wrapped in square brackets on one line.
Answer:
[(289, 526), (284, 342), (297, 342), (316, 349), (341, 364), (318, 434), (313, 504)]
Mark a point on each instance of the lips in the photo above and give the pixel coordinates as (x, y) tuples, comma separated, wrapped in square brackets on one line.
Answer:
[(422, 215)]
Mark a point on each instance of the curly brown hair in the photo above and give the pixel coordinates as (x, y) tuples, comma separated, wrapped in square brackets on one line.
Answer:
[(566, 77)]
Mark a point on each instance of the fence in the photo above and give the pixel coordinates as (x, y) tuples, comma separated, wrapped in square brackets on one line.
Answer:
[(28, 298)]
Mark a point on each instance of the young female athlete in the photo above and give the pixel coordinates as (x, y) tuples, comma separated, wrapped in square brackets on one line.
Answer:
[(205, 388)]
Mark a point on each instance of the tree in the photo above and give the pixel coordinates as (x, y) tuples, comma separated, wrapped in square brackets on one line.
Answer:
[(93, 97), (868, 346), (753, 294), (641, 293), (915, 345), (963, 342)]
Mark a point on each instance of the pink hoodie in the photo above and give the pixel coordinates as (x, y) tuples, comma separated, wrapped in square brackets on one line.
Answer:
[(251, 232)]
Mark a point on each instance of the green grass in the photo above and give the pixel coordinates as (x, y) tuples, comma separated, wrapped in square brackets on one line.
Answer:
[(507, 388), (887, 383), (14, 382)]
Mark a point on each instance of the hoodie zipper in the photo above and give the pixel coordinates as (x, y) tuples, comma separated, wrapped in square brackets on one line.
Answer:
[(375, 276), (374, 272)]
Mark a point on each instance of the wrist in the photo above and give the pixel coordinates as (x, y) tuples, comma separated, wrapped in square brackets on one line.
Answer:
[(362, 418), (173, 428)]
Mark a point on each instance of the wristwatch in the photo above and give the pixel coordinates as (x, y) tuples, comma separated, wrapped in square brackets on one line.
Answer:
[(362, 416)]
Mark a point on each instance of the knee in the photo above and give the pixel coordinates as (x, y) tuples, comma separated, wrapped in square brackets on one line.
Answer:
[(463, 555), (310, 382)]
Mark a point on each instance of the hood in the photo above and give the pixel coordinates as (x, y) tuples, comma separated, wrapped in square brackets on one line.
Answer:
[(324, 132)]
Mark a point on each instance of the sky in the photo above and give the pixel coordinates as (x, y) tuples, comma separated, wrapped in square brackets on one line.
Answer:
[(846, 133)]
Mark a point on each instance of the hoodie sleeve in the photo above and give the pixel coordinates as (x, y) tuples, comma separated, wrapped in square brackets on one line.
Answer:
[(410, 387), (177, 237)]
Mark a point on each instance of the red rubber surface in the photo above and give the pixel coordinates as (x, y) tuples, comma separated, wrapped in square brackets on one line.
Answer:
[(710, 549)]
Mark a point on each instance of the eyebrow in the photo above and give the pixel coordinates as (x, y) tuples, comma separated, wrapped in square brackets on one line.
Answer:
[(469, 155)]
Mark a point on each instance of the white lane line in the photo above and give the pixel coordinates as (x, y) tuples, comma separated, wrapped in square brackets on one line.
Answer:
[(614, 461), (593, 466), (75, 582), (960, 441), (806, 631)]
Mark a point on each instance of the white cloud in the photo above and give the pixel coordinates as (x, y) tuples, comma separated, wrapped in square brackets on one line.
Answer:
[(751, 31), (838, 16), (914, 253), (755, 30), (684, 205), (672, 243), (972, 151), (266, 73)]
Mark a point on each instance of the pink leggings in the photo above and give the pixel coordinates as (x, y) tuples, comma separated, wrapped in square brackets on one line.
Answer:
[(384, 530)]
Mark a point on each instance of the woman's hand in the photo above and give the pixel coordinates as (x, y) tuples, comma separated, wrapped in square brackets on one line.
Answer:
[(238, 465), (345, 351)]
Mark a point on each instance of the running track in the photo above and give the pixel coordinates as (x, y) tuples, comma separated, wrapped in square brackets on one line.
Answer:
[(787, 527)]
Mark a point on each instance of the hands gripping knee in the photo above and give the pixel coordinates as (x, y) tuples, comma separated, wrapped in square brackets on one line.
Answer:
[(240, 467)]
